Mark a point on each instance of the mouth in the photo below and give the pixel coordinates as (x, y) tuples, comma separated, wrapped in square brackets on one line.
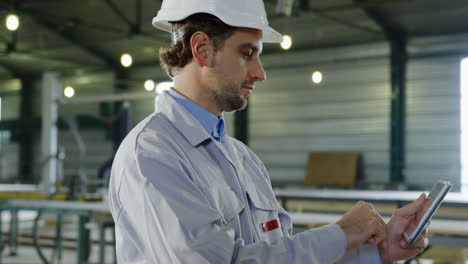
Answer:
[(248, 87)]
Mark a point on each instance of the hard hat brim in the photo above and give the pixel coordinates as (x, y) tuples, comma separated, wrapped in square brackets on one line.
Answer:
[(269, 35)]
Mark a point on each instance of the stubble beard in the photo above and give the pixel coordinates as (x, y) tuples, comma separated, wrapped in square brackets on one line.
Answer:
[(225, 92), (229, 98)]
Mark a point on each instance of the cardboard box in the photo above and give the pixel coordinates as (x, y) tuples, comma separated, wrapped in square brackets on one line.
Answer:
[(333, 168)]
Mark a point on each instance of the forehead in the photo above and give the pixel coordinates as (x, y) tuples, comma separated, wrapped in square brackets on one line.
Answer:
[(245, 38)]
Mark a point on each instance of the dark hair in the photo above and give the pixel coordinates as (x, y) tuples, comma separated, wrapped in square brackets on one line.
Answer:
[(180, 54)]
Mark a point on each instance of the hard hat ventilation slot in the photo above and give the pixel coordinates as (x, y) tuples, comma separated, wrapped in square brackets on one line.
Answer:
[(176, 33)]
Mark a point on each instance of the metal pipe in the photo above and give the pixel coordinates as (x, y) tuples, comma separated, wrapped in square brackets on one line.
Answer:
[(106, 98)]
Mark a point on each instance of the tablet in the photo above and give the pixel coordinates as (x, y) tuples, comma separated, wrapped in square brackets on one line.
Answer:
[(437, 195)]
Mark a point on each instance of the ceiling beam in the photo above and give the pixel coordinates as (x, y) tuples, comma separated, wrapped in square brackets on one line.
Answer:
[(349, 24), (119, 13), (29, 4), (392, 29), (138, 16), (360, 5), (75, 41)]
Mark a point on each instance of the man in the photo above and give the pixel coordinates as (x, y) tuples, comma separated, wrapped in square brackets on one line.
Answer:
[(183, 191)]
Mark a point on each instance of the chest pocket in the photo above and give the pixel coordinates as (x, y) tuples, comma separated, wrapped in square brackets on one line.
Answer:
[(224, 200), (264, 209)]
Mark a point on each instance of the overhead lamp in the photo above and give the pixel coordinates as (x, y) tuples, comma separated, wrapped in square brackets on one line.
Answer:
[(149, 85), (286, 43), (164, 86), (317, 77), (68, 91), (126, 60), (12, 22)]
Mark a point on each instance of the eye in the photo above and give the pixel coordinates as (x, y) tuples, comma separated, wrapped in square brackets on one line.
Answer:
[(247, 54)]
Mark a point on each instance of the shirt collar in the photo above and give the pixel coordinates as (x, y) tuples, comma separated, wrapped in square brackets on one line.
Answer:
[(213, 125)]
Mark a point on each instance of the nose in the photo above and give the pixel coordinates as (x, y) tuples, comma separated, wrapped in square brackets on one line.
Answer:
[(257, 73)]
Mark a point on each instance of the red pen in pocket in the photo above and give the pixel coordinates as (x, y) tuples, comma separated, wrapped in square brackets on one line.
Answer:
[(271, 225)]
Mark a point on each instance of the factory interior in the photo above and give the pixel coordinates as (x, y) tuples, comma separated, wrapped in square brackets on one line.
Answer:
[(363, 100)]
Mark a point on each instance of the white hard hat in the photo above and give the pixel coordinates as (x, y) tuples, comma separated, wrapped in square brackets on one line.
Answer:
[(236, 13)]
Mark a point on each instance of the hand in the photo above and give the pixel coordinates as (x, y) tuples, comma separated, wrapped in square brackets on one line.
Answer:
[(405, 219), (362, 224)]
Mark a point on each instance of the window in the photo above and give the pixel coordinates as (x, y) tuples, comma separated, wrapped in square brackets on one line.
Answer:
[(464, 123)]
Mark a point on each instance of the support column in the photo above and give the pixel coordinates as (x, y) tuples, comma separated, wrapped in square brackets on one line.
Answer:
[(398, 110), (122, 108), (51, 87), (241, 125), (397, 38), (26, 137)]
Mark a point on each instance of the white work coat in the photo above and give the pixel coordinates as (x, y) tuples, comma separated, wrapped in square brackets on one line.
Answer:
[(178, 196)]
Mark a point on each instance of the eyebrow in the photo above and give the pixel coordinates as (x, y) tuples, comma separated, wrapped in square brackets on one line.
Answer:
[(250, 46)]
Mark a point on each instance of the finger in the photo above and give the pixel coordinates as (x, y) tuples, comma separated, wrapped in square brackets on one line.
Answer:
[(404, 243), (378, 236), (371, 241), (376, 240), (380, 231), (427, 204), (424, 233), (379, 217), (426, 228), (413, 207), (421, 243), (383, 243)]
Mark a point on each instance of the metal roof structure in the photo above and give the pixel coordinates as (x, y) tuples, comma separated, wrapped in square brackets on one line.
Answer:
[(66, 35)]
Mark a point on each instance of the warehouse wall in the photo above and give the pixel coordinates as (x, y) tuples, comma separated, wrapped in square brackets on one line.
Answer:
[(433, 120), (350, 110)]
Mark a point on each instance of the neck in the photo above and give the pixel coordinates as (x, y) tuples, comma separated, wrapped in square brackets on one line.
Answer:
[(189, 83)]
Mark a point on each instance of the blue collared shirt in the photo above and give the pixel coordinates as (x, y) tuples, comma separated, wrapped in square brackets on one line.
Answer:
[(213, 125)]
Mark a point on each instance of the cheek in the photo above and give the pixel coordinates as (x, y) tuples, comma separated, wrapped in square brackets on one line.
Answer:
[(234, 68), (240, 67)]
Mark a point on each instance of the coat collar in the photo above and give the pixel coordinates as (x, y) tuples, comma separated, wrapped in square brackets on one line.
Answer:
[(182, 119)]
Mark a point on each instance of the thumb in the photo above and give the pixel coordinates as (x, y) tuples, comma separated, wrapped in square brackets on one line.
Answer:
[(415, 206)]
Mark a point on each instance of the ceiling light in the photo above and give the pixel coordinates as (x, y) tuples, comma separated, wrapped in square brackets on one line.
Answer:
[(126, 60), (149, 85), (12, 22), (68, 91), (286, 43), (317, 77), (163, 86)]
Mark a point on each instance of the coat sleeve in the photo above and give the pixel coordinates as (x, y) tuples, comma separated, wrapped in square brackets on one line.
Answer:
[(365, 254)]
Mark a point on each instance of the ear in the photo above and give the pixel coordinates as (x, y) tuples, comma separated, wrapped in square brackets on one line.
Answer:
[(202, 48)]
